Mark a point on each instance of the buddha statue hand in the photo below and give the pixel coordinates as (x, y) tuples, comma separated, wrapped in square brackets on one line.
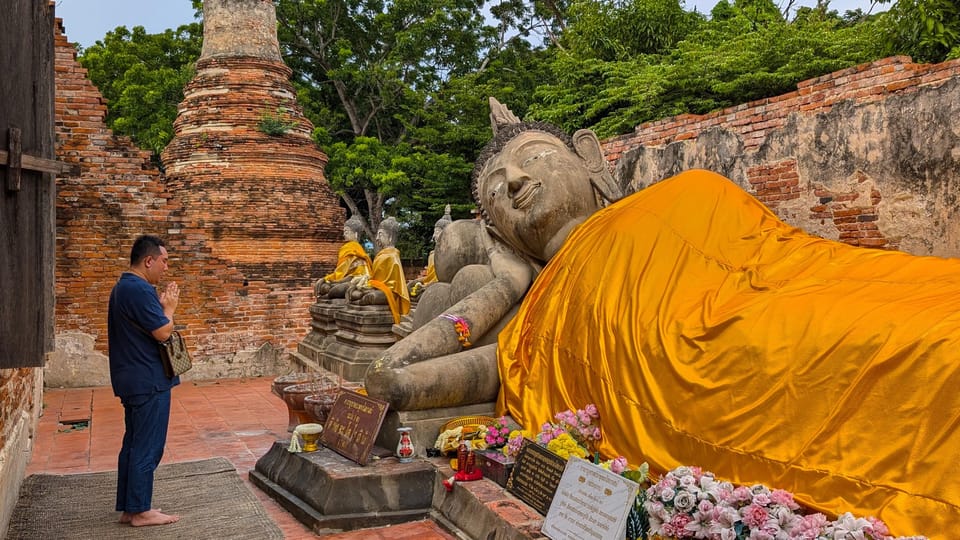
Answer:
[(504, 261)]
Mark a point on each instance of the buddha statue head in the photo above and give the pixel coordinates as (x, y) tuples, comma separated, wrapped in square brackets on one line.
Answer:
[(352, 229), (387, 233), (441, 223), (534, 183)]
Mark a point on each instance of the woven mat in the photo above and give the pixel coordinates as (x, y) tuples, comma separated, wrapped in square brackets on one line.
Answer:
[(209, 496)]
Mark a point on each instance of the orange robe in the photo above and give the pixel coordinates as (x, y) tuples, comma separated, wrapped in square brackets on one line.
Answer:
[(710, 333), (387, 276), (352, 260), (430, 272)]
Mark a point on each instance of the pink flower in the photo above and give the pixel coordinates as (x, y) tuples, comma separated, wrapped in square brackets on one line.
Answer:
[(784, 498), (754, 516), (618, 465), (677, 526), (592, 411), (741, 495), (879, 527), (809, 527)]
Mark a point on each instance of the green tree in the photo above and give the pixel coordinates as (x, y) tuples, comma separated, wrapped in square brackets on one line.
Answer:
[(142, 77), (367, 72), (927, 30), (746, 52)]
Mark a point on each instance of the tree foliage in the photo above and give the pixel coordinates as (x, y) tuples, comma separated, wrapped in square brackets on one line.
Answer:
[(745, 52), (142, 76), (927, 30), (369, 69), (397, 89)]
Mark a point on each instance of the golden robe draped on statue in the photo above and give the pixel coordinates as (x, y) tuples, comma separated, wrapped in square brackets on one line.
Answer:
[(709, 333), (352, 260), (387, 277), (430, 272)]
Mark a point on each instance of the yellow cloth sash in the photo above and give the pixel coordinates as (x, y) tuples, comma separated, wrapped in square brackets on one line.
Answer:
[(352, 260), (388, 277), (710, 333), (430, 272)]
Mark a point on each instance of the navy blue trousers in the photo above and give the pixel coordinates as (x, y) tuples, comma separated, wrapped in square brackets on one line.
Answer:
[(145, 418)]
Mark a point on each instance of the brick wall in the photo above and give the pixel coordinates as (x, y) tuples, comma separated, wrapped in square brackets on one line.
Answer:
[(245, 249), (865, 155), (19, 408)]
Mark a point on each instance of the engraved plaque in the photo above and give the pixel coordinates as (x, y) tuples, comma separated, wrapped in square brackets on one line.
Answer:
[(352, 425), (535, 476), (590, 503)]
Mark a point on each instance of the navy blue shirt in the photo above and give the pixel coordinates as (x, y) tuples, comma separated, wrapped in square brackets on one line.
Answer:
[(134, 312)]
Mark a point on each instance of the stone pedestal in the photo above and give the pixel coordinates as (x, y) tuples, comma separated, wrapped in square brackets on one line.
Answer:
[(323, 326), (328, 492), (404, 327), (363, 333)]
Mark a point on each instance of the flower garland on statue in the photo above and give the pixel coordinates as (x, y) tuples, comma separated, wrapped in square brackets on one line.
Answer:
[(688, 502)]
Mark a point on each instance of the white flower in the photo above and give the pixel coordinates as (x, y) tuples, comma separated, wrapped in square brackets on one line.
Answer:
[(667, 495), (685, 501)]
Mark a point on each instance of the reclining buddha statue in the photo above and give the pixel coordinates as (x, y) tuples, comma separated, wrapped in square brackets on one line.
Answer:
[(706, 331)]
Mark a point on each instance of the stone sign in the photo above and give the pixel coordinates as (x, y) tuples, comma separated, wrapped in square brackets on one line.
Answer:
[(535, 476), (590, 503), (352, 425)]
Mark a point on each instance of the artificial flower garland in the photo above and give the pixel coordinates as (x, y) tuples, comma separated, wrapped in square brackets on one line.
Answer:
[(461, 326)]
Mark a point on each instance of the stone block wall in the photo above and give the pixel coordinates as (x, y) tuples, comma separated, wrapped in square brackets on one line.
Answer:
[(868, 155), (244, 302)]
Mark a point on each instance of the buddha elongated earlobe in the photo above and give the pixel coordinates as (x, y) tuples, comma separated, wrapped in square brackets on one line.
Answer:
[(588, 147)]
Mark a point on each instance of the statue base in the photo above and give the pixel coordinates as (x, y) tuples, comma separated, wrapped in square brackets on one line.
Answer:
[(385, 492), (322, 328), (363, 333)]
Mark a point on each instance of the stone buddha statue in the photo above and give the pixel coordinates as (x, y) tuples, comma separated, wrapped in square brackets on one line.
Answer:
[(429, 274), (706, 331), (386, 284), (352, 262), (534, 184)]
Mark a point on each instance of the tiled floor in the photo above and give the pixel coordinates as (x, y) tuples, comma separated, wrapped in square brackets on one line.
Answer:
[(240, 419)]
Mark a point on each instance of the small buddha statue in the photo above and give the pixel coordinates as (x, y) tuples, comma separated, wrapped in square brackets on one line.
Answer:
[(352, 262), (386, 284)]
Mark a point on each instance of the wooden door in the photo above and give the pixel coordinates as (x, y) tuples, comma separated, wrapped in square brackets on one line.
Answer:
[(27, 226)]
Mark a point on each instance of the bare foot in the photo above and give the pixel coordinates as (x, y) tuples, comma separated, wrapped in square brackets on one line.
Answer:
[(126, 516), (152, 517)]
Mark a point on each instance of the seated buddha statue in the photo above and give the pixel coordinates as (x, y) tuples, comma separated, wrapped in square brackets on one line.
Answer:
[(352, 262), (429, 274), (706, 331), (386, 284)]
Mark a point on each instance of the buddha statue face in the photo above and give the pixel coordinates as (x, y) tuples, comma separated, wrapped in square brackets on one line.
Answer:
[(533, 189), (349, 234), (387, 233)]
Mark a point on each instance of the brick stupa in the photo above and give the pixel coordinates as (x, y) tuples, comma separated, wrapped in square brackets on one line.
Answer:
[(259, 201)]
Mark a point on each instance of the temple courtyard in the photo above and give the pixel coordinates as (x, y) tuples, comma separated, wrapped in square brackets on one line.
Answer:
[(80, 431)]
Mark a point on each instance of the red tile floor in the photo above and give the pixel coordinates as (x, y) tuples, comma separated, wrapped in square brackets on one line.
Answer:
[(238, 419)]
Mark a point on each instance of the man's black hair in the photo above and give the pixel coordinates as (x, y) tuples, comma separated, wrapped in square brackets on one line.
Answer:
[(145, 246)]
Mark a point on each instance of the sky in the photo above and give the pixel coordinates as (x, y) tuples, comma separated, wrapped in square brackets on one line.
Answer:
[(87, 21)]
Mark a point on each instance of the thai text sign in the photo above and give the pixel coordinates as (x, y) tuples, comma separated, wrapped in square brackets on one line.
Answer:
[(591, 503), (535, 476), (352, 425)]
